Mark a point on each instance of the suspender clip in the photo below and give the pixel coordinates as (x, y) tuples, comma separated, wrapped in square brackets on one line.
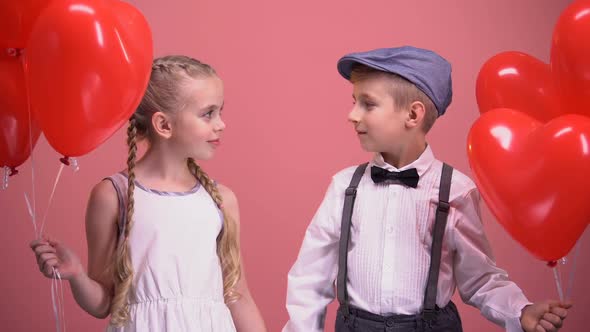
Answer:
[(443, 206), (350, 191), (428, 315)]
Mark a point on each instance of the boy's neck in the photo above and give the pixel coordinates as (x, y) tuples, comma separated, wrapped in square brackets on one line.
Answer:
[(404, 155)]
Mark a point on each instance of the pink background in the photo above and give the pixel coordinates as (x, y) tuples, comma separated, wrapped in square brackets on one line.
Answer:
[(287, 133)]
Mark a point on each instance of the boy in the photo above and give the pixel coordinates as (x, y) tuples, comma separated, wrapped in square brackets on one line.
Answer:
[(399, 233)]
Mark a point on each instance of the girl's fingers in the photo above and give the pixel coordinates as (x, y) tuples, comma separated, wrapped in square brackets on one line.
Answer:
[(48, 266)]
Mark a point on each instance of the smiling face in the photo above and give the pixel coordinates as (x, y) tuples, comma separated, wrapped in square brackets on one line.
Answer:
[(197, 128), (379, 124)]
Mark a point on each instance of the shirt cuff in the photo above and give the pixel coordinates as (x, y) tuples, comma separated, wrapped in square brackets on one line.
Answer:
[(513, 323)]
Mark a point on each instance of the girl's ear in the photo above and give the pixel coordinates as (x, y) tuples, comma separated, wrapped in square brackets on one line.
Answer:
[(162, 124)]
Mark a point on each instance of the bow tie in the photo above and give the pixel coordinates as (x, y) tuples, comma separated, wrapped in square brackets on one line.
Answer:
[(408, 177)]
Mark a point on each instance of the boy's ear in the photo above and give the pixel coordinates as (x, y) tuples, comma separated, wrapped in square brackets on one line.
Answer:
[(416, 114), (162, 124)]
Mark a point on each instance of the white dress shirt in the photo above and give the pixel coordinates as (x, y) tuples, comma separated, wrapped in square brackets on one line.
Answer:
[(389, 252)]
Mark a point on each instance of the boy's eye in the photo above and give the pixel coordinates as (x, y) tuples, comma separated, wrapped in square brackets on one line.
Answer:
[(208, 114)]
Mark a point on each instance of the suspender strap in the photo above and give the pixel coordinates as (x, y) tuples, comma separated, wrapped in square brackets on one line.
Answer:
[(349, 198), (440, 223)]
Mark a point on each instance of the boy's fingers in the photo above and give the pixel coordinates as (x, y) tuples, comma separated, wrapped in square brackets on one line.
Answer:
[(567, 305), (539, 328), (547, 326), (553, 319), (559, 311)]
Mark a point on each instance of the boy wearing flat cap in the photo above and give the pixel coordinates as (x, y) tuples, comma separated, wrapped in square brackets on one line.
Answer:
[(398, 234)]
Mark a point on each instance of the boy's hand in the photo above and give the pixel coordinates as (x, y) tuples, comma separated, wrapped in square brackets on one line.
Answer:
[(545, 316)]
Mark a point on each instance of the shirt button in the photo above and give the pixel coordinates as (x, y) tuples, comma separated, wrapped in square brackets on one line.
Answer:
[(390, 229)]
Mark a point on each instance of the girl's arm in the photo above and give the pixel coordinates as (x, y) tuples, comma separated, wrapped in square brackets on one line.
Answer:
[(245, 313), (93, 289)]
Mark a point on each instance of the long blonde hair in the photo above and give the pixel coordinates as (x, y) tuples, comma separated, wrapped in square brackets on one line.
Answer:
[(163, 94)]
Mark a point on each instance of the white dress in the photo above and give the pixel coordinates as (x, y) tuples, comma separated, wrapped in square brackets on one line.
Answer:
[(177, 284)]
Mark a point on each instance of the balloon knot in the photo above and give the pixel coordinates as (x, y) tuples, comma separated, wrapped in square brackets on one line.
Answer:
[(65, 160)]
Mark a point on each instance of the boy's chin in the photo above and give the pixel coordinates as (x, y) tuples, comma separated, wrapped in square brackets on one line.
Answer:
[(369, 148)]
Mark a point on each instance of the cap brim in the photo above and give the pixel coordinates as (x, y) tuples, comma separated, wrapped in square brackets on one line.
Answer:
[(346, 63)]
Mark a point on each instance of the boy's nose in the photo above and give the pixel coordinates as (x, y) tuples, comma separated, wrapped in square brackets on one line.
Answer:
[(354, 115)]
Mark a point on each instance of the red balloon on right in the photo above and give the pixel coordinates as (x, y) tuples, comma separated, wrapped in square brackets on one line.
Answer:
[(534, 177), (570, 58)]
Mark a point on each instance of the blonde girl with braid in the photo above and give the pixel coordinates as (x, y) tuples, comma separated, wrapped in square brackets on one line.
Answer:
[(163, 237)]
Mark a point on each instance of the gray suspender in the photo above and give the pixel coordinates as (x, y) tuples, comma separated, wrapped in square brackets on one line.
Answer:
[(345, 237), (440, 223)]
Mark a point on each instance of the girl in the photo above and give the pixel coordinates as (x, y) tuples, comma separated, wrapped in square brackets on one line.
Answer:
[(163, 238)]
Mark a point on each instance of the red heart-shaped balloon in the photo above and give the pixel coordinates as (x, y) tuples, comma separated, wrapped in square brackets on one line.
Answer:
[(534, 177), (518, 81), (16, 136), (89, 64), (570, 58), (17, 19)]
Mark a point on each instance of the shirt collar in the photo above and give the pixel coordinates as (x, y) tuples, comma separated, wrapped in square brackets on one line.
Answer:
[(421, 164)]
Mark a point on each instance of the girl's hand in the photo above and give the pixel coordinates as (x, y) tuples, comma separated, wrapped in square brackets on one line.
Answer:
[(51, 254)]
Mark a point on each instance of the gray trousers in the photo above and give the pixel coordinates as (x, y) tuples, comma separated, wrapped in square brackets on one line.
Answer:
[(446, 320)]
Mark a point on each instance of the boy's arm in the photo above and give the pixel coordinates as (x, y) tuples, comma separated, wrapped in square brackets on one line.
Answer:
[(311, 279), (480, 282)]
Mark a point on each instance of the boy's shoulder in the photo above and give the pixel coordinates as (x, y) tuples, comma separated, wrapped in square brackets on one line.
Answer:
[(341, 180), (461, 179), (345, 174), (461, 185)]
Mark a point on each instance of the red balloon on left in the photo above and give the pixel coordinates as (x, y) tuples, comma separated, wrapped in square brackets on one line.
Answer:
[(89, 62), (17, 18), (15, 125)]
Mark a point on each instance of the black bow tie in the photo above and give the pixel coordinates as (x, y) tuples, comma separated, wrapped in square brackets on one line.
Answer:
[(408, 177)]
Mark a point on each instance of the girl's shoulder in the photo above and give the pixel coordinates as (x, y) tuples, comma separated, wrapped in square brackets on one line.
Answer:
[(230, 201), (229, 197), (102, 210), (104, 193)]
